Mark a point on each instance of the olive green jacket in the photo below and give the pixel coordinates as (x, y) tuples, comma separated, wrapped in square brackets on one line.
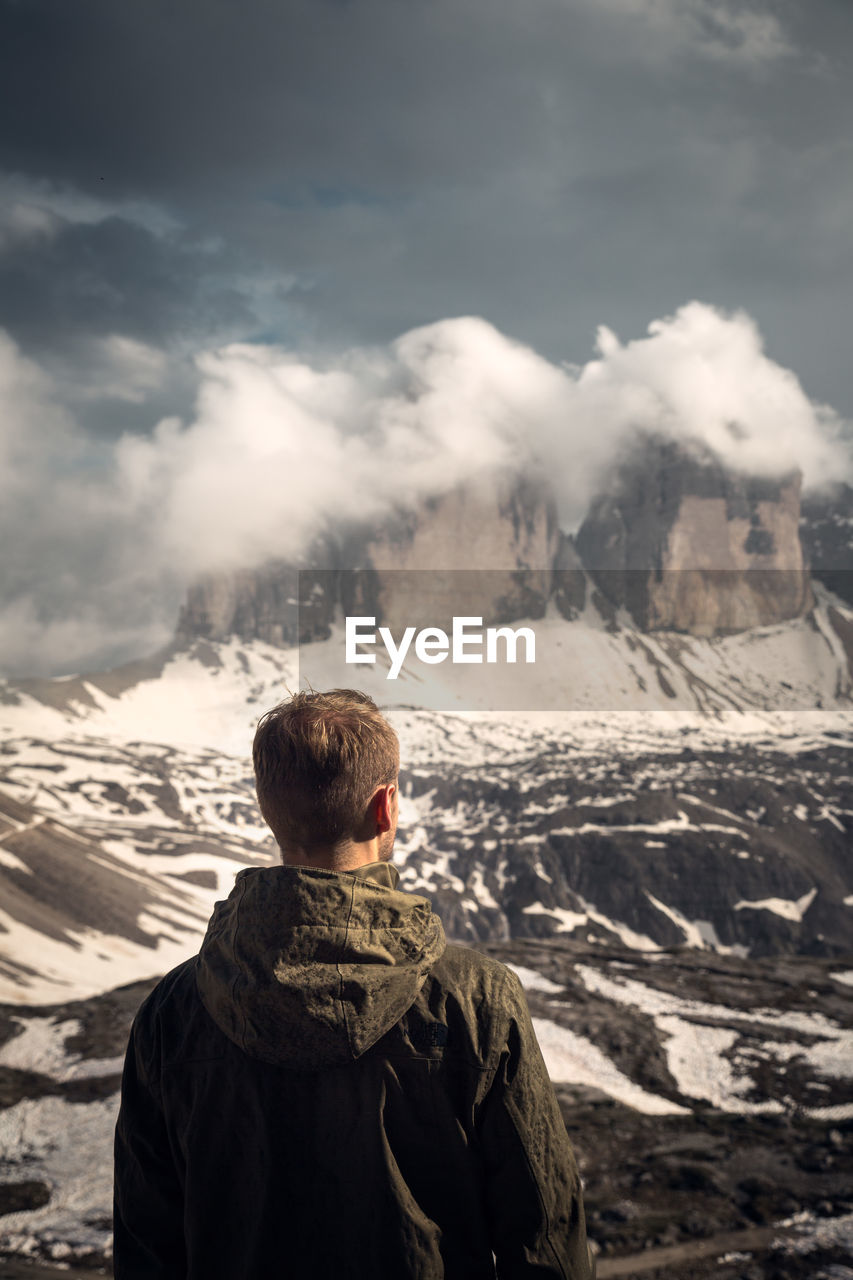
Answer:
[(329, 1090)]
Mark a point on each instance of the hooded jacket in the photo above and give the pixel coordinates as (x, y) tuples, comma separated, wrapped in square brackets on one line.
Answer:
[(330, 1090)]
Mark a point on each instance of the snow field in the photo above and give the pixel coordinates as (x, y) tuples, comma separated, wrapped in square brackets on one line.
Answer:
[(701, 1056), (67, 1146)]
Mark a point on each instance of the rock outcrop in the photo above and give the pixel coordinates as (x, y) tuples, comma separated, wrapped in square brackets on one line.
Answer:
[(282, 603), (826, 530), (485, 549), (685, 545), (568, 581), (676, 540), (488, 547)]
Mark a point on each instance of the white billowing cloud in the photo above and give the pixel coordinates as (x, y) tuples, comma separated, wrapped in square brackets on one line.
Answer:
[(279, 449), (701, 376), (103, 538), (81, 577), (36, 433)]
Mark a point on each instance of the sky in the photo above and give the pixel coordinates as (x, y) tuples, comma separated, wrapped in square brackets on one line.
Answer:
[(268, 262)]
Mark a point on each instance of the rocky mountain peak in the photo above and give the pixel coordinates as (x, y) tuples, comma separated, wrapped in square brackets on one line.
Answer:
[(499, 530), (489, 547), (675, 538), (687, 545)]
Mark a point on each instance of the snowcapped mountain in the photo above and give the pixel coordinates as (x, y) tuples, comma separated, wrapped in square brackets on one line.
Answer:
[(681, 804), (649, 786), (634, 865), (654, 828)]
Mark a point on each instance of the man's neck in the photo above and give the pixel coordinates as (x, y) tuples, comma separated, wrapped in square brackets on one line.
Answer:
[(348, 857)]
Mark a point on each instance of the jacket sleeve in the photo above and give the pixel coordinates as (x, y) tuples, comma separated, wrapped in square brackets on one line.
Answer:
[(533, 1190), (148, 1194)]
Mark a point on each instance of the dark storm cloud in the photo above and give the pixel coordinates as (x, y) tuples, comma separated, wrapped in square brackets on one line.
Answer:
[(305, 98), (163, 98), (550, 165), (116, 277), (304, 176)]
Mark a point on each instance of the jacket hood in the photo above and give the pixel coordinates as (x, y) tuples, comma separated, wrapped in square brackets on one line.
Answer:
[(308, 968)]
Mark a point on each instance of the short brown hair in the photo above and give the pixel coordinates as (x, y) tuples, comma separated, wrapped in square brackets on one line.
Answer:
[(318, 759)]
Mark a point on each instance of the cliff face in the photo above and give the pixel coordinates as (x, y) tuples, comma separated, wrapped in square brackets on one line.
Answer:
[(686, 546), (489, 547), (281, 603), (678, 541)]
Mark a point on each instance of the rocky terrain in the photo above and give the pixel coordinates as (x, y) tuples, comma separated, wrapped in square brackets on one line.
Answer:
[(655, 831), (112, 854), (741, 1155), (743, 851), (677, 909), (499, 534)]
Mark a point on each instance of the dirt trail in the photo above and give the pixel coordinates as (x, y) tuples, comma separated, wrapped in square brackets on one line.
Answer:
[(608, 1268), (15, 1269), (674, 1255)]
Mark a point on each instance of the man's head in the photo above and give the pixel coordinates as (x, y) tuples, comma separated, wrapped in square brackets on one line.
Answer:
[(326, 768)]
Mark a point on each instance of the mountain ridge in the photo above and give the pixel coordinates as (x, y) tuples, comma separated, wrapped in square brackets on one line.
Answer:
[(679, 541)]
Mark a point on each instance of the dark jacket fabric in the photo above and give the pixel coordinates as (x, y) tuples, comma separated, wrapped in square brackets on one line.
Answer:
[(330, 1090)]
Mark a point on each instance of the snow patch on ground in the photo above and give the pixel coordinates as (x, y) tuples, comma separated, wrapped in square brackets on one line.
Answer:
[(666, 826), (533, 981), (481, 891), (701, 1055), (817, 1233), (572, 1059), (787, 908), (88, 962), (431, 875), (13, 862), (700, 934), (696, 1056), (40, 1046), (53, 1141), (571, 920)]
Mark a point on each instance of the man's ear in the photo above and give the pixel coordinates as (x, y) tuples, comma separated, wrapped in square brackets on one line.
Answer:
[(383, 807)]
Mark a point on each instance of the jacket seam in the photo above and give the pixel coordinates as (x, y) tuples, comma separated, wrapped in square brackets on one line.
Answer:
[(340, 970)]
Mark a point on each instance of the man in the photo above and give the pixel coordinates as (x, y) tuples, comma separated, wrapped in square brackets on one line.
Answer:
[(328, 1089)]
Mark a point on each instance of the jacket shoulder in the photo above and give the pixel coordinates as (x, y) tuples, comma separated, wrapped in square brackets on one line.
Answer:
[(477, 999), (472, 968), (172, 1023), (175, 989)]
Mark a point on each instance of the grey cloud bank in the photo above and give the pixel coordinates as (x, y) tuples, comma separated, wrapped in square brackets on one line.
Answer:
[(322, 174)]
